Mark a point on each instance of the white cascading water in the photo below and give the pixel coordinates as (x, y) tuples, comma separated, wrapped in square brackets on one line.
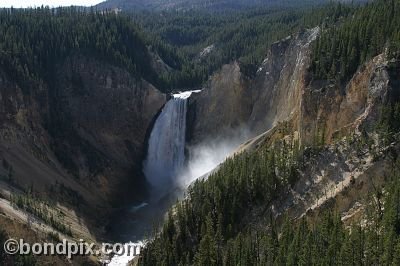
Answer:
[(165, 154), (166, 149)]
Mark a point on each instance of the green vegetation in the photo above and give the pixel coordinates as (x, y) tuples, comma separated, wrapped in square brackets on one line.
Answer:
[(210, 6), (224, 220), (216, 208), (342, 48), (389, 123), (214, 224), (35, 40), (244, 36), (322, 242), (42, 210)]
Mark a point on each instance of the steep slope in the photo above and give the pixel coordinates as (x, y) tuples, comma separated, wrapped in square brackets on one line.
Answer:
[(96, 142), (351, 158), (223, 105), (74, 120), (231, 100), (278, 86), (323, 146)]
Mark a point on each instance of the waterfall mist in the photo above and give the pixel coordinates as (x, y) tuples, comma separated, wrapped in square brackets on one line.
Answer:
[(169, 172), (207, 155)]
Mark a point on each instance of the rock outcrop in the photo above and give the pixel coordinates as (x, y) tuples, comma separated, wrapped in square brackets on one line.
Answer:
[(108, 113), (230, 100), (329, 111), (222, 106), (78, 140), (283, 103), (337, 120), (280, 81)]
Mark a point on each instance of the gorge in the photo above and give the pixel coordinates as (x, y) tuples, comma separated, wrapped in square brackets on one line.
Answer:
[(168, 171), (275, 143)]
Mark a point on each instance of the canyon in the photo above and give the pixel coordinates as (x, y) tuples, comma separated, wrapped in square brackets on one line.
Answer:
[(99, 141)]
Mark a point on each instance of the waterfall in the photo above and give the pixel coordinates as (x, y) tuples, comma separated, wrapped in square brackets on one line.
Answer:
[(165, 154)]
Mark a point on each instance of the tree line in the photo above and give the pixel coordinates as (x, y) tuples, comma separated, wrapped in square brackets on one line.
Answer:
[(343, 47), (35, 40), (222, 220), (244, 36)]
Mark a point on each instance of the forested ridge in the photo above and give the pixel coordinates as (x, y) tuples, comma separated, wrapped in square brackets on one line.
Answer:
[(340, 50), (243, 36), (215, 223), (29, 53), (197, 228), (205, 5), (34, 40), (211, 226)]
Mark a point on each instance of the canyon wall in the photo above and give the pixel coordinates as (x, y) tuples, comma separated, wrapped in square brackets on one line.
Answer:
[(231, 100), (283, 102), (79, 139)]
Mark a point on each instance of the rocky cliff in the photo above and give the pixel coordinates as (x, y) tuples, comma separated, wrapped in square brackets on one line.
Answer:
[(283, 102), (222, 106), (78, 140), (347, 157), (231, 100)]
